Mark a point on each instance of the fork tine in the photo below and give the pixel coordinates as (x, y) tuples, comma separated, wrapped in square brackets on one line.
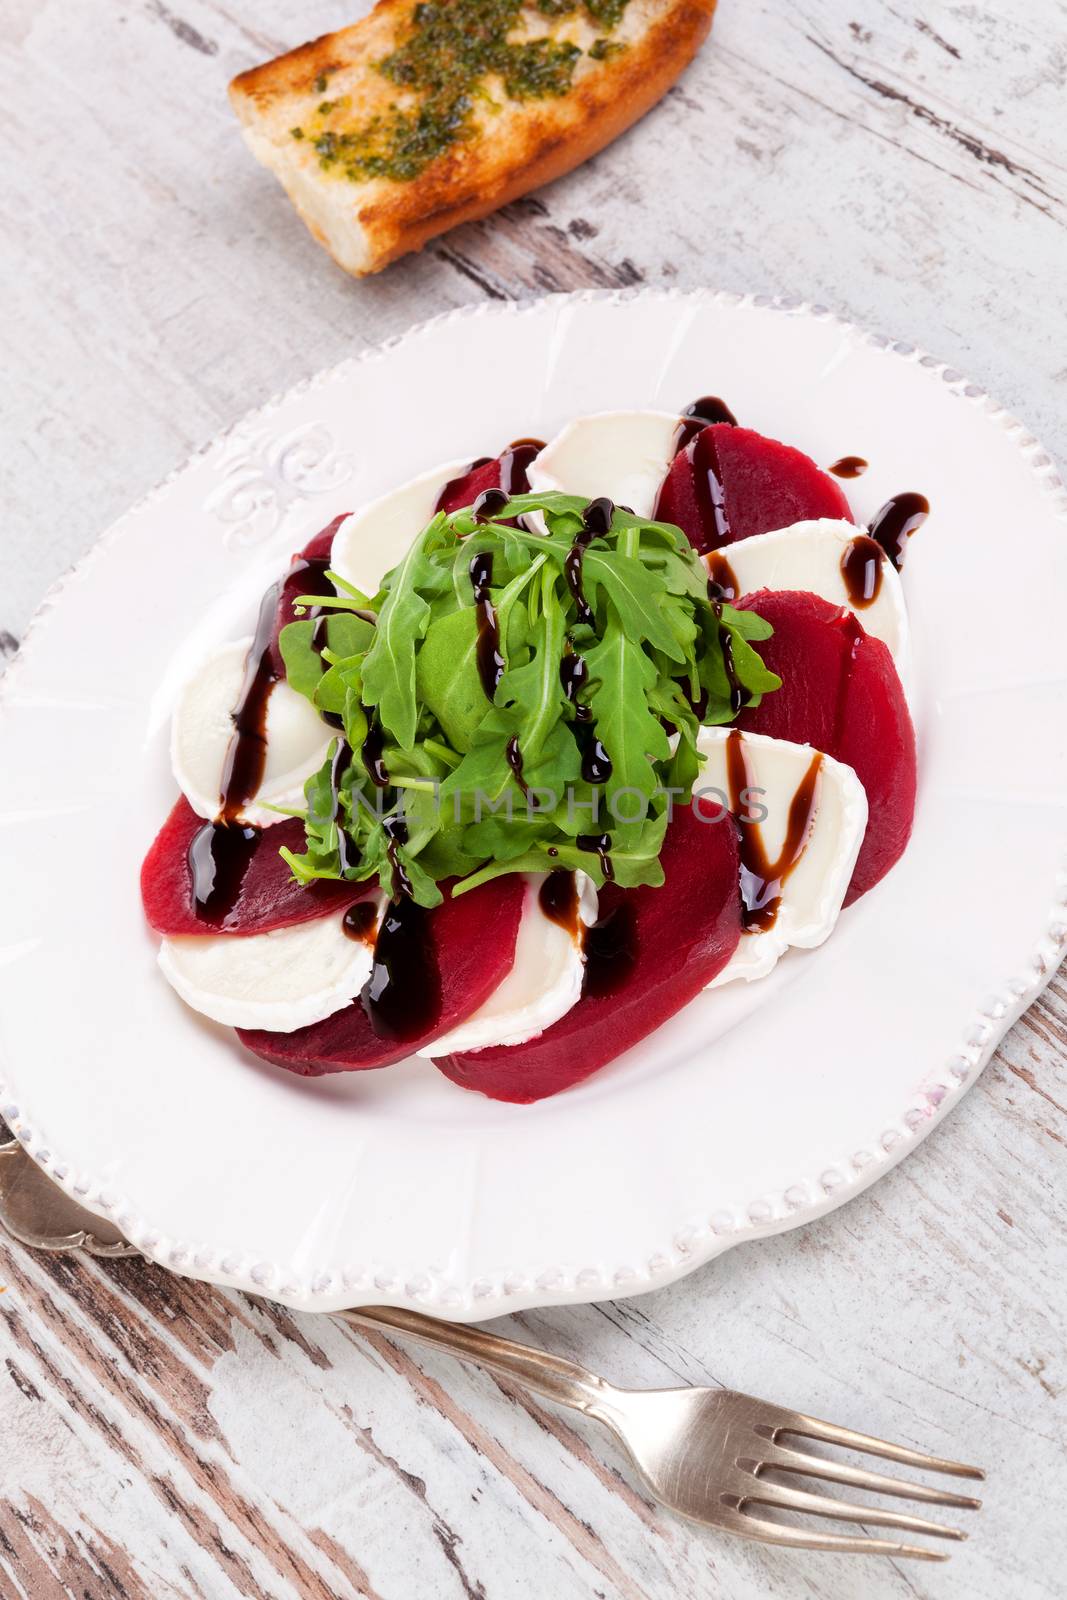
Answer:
[(770, 1532), (784, 1458), (830, 1433), (823, 1505)]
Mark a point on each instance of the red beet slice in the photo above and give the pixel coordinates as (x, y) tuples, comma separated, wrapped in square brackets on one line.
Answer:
[(268, 898), (841, 693), (678, 936), (470, 947), (730, 483), (507, 471), (306, 575), (464, 490)]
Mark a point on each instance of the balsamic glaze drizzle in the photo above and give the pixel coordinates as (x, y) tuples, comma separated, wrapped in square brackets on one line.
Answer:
[(598, 844), (573, 675), (596, 521), (491, 663), (402, 996), (572, 571), (610, 951), (360, 921), (558, 898), (489, 504), (513, 757), (515, 463), (396, 833), (347, 851), (894, 524), (702, 413), (220, 852), (721, 576), (849, 467), (861, 570), (371, 753), (597, 765), (762, 880)]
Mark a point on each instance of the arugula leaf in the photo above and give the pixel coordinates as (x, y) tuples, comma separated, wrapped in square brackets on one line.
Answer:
[(389, 669), (447, 679), (622, 678)]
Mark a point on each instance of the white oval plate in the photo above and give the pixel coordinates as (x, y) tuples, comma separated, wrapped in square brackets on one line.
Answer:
[(756, 1108)]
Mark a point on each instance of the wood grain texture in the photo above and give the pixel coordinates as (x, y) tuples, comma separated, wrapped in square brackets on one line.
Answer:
[(162, 1439)]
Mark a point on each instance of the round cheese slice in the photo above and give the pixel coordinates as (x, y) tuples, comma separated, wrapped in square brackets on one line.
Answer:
[(817, 865), (813, 556), (370, 542), (621, 454), (202, 727), (282, 980), (543, 984)]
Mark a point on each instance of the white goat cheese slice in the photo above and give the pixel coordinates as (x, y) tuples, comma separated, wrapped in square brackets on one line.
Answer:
[(819, 867), (282, 980), (202, 726), (809, 556), (370, 542), (543, 984), (621, 454)]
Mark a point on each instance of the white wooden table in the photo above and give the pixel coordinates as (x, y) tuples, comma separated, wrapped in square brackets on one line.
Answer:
[(161, 1439)]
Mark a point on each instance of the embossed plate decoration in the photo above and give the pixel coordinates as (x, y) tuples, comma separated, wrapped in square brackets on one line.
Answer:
[(756, 1108)]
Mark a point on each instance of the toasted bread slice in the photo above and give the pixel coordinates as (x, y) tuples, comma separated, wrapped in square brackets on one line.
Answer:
[(377, 166)]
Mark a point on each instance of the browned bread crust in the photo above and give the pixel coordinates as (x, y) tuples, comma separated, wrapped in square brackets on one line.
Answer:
[(518, 145)]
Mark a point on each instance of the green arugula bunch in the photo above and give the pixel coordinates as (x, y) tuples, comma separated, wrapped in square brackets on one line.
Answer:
[(478, 786)]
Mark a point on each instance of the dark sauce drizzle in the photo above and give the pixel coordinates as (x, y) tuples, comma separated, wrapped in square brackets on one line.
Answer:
[(762, 880), (220, 852), (610, 952), (515, 463), (558, 899), (861, 569), (596, 522), (371, 754), (707, 483), (894, 524), (703, 413), (597, 765), (360, 921), (347, 851), (491, 663), (598, 844), (573, 675), (396, 833), (722, 576), (402, 996), (513, 757), (849, 467), (489, 504)]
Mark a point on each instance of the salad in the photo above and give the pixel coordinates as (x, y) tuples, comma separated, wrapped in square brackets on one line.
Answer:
[(527, 753)]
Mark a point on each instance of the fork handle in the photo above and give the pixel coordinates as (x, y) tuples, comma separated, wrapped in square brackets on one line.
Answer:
[(550, 1376)]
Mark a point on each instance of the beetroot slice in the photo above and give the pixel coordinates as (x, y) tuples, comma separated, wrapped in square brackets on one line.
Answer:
[(303, 577), (841, 693), (507, 471), (269, 897), (682, 934), (471, 942), (464, 490), (761, 485)]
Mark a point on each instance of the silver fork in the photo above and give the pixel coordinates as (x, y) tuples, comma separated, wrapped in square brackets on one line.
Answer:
[(704, 1453)]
